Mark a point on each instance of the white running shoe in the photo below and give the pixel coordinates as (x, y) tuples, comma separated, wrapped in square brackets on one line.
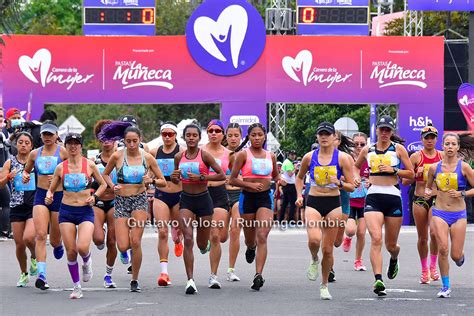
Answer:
[(231, 276), (76, 292), (191, 287), (313, 270), (324, 293), (213, 283), (445, 292), (87, 271)]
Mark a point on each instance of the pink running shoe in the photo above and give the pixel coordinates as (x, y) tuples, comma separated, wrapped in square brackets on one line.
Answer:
[(346, 244), (358, 266), (425, 277), (434, 274)]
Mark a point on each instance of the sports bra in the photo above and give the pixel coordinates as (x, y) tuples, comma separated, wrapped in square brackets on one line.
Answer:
[(425, 163), (388, 157), (257, 168), (101, 165), (446, 181), (195, 165), (223, 162), (76, 182), (45, 165), (320, 174), (166, 161), (131, 174)]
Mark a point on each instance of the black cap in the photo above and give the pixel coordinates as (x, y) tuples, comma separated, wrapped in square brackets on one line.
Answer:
[(73, 136), (292, 152), (386, 121), (130, 119), (326, 127)]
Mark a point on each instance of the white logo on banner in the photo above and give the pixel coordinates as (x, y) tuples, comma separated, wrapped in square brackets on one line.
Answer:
[(303, 62), (397, 75), (415, 146), (41, 61), (133, 71), (234, 19), (465, 100)]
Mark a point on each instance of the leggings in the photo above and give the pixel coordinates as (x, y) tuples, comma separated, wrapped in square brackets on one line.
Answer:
[(289, 198)]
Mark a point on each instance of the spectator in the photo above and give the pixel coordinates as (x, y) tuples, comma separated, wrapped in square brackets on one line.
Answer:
[(288, 186)]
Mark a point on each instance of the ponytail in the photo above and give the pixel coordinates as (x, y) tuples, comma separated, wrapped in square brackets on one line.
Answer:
[(397, 139)]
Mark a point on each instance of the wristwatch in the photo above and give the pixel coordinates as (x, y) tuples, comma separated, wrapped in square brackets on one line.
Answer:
[(96, 198), (395, 170), (202, 177), (340, 185), (463, 194)]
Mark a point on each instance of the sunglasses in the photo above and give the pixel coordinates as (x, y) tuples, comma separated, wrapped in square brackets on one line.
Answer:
[(360, 144), (214, 130), (168, 134)]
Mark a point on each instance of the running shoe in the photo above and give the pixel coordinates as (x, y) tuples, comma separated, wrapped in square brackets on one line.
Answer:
[(425, 277), (76, 293), (379, 288), (358, 266), (324, 293), (207, 249), (164, 280), (101, 246), (124, 257), (129, 270), (346, 244), (332, 276), (250, 254), (313, 270), (434, 275), (445, 292), (108, 283), (258, 282), (41, 282), (33, 267), (134, 287), (23, 281), (460, 262), (191, 287), (231, 276), (178, 249), (58, 252), (213, 283), (392, 270), (87, 271)]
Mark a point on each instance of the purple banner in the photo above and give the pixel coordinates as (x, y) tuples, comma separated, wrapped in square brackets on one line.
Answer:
[(466, 103), (441, 5)]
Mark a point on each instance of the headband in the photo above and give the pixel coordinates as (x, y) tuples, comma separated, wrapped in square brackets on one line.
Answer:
[(216, 122), (170, 126)]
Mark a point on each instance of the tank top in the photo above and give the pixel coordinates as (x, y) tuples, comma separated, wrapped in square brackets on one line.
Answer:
[(101, 165), (257, 168), (425, 163), (45, 165), (223, 162), (375, 158), (320, 174), (195, 165), (446, 181), (76, 182), (131, 174), (166, 161), (22, 193)]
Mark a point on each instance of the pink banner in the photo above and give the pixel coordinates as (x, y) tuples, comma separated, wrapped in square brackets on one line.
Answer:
[(466, 102)]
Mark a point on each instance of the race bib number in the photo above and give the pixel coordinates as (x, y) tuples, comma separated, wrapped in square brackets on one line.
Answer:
[(323, 174), (261, 166), (20, 186), (133, 174), (75, 182), (359, 192), (377, 160), (46, 164), (112, 175), (166, 166), (426, 168), (187, 168), (219, 162), (447, 181)]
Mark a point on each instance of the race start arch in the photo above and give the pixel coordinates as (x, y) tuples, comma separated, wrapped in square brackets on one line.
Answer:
[(293, 69)]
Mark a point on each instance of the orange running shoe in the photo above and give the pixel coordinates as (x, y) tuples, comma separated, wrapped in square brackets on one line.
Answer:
[(434, 274), (425, 277), (178, 249), (164, 280)]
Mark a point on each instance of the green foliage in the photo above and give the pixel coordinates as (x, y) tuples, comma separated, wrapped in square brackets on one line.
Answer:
[(172, 16), (150, 116)]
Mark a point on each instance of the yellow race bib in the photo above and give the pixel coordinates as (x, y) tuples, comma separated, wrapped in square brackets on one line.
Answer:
[(426, 168), (377, 160), (447, 181), (323, 174)]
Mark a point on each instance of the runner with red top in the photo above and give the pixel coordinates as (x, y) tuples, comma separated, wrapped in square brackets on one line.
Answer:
[(166, 202), (191, 167), (422, 160), (220, 199), (258, 167)]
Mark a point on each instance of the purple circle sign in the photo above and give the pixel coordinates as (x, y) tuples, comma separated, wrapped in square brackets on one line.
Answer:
[(225, 37)]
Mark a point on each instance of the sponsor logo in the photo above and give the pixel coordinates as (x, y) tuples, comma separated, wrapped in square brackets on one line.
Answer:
[(133, 74), (41, 62), (415, 146), (419, 122), (466, 101), (225, 37), (244, 119), (390, 74), (301, 69)]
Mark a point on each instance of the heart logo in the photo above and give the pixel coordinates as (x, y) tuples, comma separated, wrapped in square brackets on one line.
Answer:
[(464, 100), (233, 23), (301, 63), (41, 61)]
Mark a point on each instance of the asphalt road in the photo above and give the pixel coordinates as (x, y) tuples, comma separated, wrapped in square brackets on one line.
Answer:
[(286, 291)]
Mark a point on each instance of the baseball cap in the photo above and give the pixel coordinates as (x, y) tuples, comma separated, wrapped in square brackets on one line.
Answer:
[(49, 128), (429, 130), (130, 119), (326, 127), (11, 112), (73, 136), (386, 121)]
